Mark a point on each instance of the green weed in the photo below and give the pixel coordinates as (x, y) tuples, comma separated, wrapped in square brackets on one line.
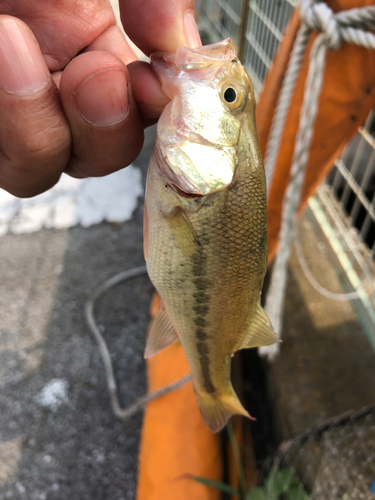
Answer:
[(281, 484)]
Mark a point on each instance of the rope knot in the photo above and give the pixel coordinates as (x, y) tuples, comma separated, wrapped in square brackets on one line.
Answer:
[(320, 17)]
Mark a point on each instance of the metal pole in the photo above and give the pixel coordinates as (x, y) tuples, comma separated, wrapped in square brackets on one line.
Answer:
[(245, 9)]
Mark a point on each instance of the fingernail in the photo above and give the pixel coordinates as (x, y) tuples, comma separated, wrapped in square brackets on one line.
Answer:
[(191, 31), (23, 69), (103, 97)]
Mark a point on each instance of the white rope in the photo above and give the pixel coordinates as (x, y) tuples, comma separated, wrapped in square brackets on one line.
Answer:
[(283, 103), (334, 29), (122, 413)]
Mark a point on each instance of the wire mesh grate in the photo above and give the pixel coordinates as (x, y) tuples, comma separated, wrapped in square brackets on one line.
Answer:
[(349, 197), (222, 18), (265, 27), (353, 181)]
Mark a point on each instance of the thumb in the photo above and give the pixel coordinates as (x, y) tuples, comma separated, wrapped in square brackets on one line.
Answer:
[(34, 134), (159, 25)]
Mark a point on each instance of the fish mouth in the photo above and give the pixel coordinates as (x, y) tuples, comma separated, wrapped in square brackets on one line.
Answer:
[(201, 62), (167, 64)]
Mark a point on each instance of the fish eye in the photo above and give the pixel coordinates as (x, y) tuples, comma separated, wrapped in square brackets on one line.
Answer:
[(233, 96), (230, 94)]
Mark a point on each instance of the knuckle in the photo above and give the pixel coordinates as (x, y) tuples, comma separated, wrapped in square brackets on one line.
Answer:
[(46, 140), (35, 129)]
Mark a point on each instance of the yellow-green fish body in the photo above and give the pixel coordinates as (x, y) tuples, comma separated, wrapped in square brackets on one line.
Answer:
[(205, 221)]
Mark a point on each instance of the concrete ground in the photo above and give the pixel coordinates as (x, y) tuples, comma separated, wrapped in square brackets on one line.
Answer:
[(58, 437)]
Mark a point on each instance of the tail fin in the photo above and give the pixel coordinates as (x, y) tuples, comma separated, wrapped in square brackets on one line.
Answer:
[(216, 410)]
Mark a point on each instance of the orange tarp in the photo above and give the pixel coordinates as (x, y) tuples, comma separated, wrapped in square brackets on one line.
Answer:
[(348, 95), (175, 440)]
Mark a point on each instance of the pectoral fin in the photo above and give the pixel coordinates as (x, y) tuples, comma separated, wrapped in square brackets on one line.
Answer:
[(183, 233), (162, 333), (260, 332)]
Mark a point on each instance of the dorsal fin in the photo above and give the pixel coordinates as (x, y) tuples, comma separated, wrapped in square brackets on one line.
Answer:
[(162, 333), (260, 332)]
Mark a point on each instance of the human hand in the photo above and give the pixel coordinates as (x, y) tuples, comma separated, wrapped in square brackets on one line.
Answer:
[(73, 96)]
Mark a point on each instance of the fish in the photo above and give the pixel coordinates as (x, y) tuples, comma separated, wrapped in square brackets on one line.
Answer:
[(205, 221)]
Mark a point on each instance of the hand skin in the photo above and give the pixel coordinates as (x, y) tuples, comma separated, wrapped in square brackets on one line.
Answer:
[(73, 96)]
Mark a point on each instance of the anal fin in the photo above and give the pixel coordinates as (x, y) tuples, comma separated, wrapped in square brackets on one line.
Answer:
[(161, 334), (260, 332)]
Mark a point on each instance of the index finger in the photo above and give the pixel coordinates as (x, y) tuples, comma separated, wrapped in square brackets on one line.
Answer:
[(159, 25)]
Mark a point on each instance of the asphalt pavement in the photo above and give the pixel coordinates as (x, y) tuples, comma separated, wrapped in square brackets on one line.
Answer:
[(58, 436)]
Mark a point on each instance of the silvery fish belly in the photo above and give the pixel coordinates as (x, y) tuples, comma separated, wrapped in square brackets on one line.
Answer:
[(205, 234)]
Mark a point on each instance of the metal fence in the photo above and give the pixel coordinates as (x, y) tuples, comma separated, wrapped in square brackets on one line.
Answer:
[(266, 23), (344, 205)]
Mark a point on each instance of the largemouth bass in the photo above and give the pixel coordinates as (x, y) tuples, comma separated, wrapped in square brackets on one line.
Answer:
[(205, 225)]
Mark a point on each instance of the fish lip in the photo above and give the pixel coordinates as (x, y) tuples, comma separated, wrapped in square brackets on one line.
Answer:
[(164, 67)]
